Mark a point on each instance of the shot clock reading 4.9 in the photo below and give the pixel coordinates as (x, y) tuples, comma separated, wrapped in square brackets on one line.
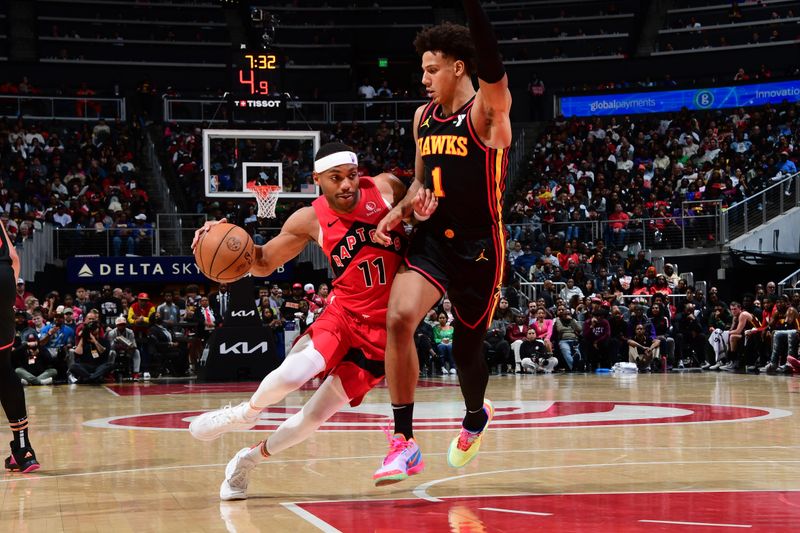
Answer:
[(255, 73)]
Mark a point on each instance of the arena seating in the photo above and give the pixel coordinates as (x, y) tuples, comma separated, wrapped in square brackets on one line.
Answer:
[(545, 30), (153, 33), (720, 26), (81, 177)]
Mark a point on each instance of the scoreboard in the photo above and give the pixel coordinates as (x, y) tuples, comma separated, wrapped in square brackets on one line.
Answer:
[(257, 91)]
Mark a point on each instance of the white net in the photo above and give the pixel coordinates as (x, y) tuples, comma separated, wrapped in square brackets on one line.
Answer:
[(266, 198)]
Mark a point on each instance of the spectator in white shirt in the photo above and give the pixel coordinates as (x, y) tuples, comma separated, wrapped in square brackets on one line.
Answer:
[(62, 217)]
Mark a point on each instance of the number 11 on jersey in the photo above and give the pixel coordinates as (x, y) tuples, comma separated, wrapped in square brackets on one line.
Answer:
[(436, 174)]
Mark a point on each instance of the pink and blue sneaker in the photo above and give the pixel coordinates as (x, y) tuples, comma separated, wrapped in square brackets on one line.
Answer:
[(404, 459)]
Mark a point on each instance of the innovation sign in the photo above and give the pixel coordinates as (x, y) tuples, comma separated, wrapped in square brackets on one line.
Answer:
[(173, 269), (695, 99)]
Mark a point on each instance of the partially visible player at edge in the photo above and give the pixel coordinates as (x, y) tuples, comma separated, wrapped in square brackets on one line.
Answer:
[(462, 137), (347, 341), (12, 396)]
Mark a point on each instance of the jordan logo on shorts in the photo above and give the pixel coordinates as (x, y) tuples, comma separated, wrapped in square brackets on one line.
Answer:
[(481, 257)]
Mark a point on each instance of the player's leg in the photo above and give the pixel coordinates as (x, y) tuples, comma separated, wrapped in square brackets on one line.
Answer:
[(12, 395), (411, 298), (329, 399), (475, 294), (301, 365)]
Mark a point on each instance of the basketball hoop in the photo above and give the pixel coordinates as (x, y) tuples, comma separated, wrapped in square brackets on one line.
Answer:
[(266, 198)]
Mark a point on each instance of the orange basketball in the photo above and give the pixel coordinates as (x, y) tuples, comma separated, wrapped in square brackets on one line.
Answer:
[(225, 253)]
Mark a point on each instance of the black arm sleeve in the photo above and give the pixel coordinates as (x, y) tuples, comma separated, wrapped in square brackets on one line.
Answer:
[(490, 66)]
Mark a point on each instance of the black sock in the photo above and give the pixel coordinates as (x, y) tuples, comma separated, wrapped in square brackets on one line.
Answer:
[(475, 421), (403, 419), (20, 430)]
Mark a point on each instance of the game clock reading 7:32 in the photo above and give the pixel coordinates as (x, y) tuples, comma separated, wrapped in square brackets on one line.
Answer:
[(256, 74)]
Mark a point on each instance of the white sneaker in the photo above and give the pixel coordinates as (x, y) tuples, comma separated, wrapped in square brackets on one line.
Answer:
[(444, 370), (529, 365), (146, 376), (71, 379), (706, 366), (770, 368), (24, 381), (211, 425), (234, 487), (716, 366), (47, 381), (730, 367), (452, 370)]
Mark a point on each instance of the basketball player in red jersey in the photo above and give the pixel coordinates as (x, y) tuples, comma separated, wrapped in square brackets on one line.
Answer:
[(346, 343), (12, 396), (462, 137)]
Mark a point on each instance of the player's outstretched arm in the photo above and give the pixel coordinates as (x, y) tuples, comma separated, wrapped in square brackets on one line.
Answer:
[(402, 210), (298, 230), (490, 114)]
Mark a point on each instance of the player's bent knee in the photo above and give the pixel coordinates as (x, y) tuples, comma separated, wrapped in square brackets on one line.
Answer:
[(402, 319)]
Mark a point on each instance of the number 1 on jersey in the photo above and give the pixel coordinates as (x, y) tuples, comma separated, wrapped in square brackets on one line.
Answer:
[(438, 191)]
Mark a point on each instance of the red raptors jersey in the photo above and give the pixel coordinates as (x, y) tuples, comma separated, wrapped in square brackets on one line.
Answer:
[(364, 268)]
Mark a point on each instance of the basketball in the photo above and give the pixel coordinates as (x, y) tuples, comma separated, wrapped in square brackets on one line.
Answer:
[(225, 253)]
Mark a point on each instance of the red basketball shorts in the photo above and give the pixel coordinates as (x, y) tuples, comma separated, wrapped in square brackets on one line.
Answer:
[(352, 349)]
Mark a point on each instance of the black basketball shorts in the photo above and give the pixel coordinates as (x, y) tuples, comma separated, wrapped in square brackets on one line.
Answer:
[(469, 270)]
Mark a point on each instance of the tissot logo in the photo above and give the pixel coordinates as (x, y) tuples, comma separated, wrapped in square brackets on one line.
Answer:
[(259, 103), (243, 348)]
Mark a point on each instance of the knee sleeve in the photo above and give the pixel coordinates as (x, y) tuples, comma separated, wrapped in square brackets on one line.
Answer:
[(302, 364)]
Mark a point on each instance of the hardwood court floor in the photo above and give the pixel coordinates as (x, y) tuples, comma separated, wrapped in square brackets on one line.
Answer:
[(662, 452)]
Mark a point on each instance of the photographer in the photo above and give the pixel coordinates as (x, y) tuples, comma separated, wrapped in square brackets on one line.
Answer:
[(32, 364), (123, 344), (92, 363)]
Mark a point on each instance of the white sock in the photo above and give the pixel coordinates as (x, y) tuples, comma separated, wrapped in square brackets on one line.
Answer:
[(256, 453)]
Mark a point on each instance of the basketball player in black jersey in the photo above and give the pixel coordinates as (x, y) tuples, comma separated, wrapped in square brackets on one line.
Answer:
[(462, 138), (12, 396)]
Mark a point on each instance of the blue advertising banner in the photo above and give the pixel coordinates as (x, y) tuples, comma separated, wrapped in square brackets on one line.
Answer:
[(172, 269), (695, 99)]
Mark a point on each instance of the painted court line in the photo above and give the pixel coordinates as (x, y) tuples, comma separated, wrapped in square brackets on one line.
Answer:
[(112, 391), (421, 491), (704, 524), (514, 511), (311, 518)]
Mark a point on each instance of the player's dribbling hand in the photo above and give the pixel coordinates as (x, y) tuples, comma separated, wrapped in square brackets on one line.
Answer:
[(207, 226), (424, 204)]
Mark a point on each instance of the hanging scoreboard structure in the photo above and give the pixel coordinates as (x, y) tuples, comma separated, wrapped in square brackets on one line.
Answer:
[(257, 92)]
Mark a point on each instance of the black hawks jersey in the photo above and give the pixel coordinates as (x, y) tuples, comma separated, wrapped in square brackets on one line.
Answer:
[(5, 248), (467, 176)]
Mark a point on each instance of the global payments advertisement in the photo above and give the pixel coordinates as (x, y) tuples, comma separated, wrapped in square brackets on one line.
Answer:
[(694, 99)]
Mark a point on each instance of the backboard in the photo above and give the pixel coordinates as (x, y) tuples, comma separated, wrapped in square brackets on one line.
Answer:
[(232, 158)]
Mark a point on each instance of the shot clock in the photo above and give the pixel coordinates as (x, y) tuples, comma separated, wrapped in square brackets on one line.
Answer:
[(256, 74), (256, 86)]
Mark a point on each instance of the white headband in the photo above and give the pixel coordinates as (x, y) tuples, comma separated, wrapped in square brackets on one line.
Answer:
[(335, 159)]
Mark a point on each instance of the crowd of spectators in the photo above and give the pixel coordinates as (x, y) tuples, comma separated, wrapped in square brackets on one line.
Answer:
[(629, 177), (655, 321), (76, 176), (111, 334)]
